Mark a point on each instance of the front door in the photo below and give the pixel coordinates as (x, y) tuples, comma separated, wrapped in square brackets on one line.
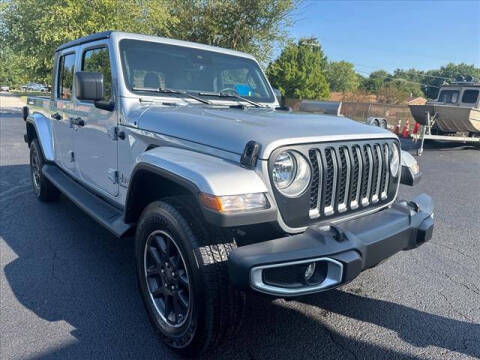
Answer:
[(94, 143), (62, 107)]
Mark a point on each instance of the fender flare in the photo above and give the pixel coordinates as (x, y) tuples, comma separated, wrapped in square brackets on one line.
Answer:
[(198, 172), (44, 134)]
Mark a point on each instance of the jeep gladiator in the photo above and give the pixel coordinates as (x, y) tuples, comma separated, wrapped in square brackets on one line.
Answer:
[(185, 148)]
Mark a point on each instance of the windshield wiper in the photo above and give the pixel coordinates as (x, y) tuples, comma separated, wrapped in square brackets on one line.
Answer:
[(238, 97), (171, 91)]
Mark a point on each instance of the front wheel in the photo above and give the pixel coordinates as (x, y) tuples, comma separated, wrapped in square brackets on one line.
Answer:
[(183, 279), (43, 188)]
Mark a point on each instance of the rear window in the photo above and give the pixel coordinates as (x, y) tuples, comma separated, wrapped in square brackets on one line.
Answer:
[(470, 96), (65, 77)]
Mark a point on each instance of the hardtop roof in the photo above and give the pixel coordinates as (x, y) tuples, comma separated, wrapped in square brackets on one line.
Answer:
[(111, 33)]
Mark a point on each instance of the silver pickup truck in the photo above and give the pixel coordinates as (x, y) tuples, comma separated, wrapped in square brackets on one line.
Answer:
[(185, 147)]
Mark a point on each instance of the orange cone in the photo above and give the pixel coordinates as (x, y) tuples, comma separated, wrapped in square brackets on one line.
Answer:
[(396, 129), (406, 129)]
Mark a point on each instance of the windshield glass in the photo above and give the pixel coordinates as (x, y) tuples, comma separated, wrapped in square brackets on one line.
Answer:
[(448, 96), (154, 65)]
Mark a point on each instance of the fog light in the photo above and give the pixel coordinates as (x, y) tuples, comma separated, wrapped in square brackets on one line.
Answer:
[(309, 271)]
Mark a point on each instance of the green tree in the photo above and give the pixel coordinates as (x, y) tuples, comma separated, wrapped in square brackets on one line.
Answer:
[(299, 71), (244, 25), (341, 76), (449, 72), (375, 81), (11, 69), (34, 28)]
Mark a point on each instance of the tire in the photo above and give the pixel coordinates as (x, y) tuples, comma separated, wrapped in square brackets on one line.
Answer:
[(214, 309), (42, 187)]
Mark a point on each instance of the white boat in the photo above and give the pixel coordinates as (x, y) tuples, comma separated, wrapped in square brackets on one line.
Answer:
[(456, 109)]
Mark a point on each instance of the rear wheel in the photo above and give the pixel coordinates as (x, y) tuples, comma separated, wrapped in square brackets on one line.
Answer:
[(183, 279), (43, 188)]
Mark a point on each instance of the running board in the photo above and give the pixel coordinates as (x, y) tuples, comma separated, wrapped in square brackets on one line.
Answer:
[(104, 213)]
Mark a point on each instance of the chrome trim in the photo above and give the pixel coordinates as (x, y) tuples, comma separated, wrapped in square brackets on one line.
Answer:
[(333, 278)]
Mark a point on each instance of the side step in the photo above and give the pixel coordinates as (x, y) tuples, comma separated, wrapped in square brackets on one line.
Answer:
[(104, 213)]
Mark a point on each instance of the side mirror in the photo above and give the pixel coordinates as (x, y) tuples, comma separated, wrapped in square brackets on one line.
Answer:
[(278, 95), (411, 173), (89, 87)]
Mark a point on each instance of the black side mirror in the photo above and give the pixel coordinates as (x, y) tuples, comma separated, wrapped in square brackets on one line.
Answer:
[(278, 95), (89, 87)]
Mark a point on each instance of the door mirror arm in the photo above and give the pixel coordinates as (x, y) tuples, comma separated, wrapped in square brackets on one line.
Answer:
[(105, 105)]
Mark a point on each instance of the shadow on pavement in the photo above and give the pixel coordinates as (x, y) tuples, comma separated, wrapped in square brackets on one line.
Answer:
[(71, 271), (416, 327)]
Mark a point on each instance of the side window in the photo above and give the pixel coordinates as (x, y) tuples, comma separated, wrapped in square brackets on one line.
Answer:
[(470, 96), (97, 60), (65, 77)]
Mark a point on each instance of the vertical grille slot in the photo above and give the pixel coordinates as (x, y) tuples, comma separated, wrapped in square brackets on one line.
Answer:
[(331, 173), (385, 172), (344, 178), (316, 187), (356, 183), (377, 173), (367, 175)]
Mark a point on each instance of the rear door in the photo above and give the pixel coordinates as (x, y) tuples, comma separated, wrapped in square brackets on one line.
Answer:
[(95, 142), (62, 108)]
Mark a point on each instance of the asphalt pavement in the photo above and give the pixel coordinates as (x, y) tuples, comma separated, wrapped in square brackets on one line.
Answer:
[(68, 289)]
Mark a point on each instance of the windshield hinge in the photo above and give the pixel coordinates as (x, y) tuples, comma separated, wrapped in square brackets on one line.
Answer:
[(115, 133), (113, 176), (250, 155)]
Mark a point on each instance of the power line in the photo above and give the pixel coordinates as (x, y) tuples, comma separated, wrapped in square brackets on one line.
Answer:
[(398, 78), (418, 74)]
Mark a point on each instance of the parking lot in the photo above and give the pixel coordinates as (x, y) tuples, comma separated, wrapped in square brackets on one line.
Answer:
[(68, 288)]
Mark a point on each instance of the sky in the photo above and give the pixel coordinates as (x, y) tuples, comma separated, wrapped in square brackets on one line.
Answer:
[(392, 34)]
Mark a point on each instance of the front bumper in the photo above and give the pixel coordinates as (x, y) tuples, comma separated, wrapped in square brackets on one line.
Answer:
[(342, 250)]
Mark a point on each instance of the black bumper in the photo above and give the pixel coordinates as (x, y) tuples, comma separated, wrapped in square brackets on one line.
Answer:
[(355, 244)]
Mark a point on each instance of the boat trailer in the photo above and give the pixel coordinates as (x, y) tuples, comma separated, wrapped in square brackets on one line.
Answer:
[(426, 134)]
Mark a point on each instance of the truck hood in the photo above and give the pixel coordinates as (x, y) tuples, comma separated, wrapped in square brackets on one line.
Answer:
[(230, 129)]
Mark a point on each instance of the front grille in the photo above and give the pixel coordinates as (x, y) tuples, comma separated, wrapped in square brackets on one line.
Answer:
[(346, 178), (346, 173)]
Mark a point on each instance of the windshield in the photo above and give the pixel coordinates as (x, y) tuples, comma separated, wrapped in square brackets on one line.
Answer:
[(448, 96), (151, 65)]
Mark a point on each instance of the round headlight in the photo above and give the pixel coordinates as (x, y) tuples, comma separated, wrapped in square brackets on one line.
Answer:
[(284, 170), (395, 161), (291, 173)]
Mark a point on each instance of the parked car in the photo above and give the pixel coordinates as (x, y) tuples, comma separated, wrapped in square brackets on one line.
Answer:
[(184, 146), (34, 87), (5, 88)]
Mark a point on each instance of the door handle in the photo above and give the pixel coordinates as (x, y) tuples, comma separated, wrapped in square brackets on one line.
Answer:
[(77, 121), (56, 116)]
